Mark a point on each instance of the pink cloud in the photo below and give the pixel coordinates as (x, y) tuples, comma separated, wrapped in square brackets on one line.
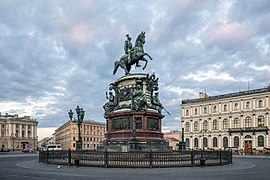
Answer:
[(228, 35)]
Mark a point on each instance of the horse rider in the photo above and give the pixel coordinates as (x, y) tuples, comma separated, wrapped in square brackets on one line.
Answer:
[(128, 50)]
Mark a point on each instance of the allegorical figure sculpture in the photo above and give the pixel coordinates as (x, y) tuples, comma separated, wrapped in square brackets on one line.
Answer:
[(157, 104), (138, 99), (113, 100), (132, 55)]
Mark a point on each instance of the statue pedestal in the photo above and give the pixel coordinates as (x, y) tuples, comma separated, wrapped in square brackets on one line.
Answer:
[(148, 131), (134, 108)]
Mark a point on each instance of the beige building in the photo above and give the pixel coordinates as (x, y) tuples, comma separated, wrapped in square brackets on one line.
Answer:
[(44, 142), (92, 134), (237, 120), (17, 133), (173, 137)]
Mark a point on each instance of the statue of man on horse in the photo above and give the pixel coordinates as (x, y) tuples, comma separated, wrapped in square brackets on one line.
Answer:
[(132, 54)]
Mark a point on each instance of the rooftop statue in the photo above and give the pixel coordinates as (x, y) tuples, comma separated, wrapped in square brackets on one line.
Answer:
[(132, 54)]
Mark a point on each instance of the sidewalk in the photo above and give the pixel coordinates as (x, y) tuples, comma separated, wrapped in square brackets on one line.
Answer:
[(237, 165), (251, 156)]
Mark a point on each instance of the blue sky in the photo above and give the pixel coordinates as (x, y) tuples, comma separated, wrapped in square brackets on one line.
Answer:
[(58, 54)]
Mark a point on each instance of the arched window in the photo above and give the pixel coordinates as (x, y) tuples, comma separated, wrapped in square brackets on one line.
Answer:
[(260, 121), (205, 142), (225, 142), (215, 142), (248, 121), (236, 123), (225, 107), (205, 110), (225, 123), (196, 142), (248, 137), (214, 109), (236, 106), (236, 141), (247, 104), (187, 142), (196, 126), (215, 125), (196, 111), (260, 141), (205, 125), (260, 104), (187, 127), (187, 112)]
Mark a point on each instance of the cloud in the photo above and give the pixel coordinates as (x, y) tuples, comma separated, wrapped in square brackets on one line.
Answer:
[(57, 55), (228, 36)]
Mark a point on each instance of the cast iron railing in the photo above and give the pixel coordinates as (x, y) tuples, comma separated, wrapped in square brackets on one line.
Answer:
[(136, 159)]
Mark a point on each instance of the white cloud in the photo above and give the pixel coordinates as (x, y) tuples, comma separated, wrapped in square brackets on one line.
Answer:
[(209, 75), (57, 55), (259, 68), (264, 48)]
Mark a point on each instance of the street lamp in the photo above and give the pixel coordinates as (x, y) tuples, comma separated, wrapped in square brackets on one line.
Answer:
[(13, 138), (133, 140), (182, 144), (80, 117)]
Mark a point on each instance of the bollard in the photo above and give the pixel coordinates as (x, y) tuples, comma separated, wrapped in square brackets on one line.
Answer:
[(202, 161), (150, 159), (192, 158), (77, 162), (69, 157), (106, 158)]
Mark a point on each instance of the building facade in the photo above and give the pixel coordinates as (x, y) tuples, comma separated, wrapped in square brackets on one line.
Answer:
[(92, 134), (17, 133), (42, 144), (239, 121), (173, 137)]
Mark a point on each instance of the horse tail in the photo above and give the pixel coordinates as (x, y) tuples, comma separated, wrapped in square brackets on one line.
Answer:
[(116, 65)]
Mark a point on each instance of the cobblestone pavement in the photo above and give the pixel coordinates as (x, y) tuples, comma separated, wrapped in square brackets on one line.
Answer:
[(28, 167)]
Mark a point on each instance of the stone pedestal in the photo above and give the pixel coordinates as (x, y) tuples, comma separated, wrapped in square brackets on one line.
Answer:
[(134, 109)]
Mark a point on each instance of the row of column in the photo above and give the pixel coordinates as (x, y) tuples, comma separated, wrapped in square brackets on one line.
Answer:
[(12, 131)]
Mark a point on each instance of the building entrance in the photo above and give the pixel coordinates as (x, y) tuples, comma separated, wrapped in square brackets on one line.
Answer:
[(248, 146)]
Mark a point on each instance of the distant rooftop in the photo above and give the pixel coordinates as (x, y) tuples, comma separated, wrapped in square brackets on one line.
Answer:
[(230, 95), (7, 116)]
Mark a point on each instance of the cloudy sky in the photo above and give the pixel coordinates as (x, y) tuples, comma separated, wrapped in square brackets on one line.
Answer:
[(57, 54)]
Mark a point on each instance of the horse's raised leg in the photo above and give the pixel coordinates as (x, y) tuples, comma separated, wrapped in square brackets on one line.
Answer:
[(146, 61), (125, 68), (146, 54)]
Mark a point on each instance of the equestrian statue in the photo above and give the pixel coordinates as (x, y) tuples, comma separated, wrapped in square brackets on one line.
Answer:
[(132, 54)]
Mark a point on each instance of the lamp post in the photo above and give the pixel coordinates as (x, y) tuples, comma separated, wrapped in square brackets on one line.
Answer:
[(13, 138), (133, 140), (80, 117), (182, 144)]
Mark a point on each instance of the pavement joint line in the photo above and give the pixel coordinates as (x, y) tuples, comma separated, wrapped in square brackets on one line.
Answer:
[(233, 167)]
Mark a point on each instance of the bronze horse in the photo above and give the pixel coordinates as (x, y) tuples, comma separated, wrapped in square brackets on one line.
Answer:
[(137, 55)]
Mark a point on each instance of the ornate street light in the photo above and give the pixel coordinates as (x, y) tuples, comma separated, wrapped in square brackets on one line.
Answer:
[(13, 137), (80, 117)]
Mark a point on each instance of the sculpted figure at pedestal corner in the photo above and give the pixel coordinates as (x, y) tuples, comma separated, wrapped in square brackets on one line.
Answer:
[(132, 54)]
